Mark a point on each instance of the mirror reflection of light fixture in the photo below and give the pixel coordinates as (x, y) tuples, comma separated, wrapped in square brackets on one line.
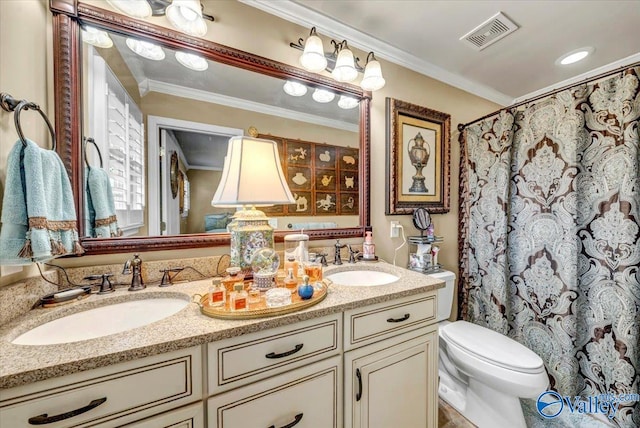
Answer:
[(133, 8), (342, 64), (345, 68), (312, 58), (372, 79), (186, 16), (323, 96), (96, 37), (295, 89), (251, 176), (145, 49), (347, 103), (191, 61)]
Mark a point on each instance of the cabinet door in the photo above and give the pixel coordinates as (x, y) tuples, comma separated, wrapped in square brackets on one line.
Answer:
[(185, 417), (309, 397), (393, 383)]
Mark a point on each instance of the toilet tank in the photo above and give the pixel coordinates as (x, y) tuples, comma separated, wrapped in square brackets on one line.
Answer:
[(445, 295)]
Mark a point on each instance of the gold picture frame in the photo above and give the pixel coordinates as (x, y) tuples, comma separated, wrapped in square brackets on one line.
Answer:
[(418, 158)]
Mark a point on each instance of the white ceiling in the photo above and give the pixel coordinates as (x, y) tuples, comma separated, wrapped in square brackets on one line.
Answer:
[(424, 35)]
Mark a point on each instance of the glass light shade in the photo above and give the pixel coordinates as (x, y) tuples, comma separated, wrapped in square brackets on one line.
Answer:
[(194, 62), (294, 89), (133, 8), (186, 16), (252, 175), (96, 37), (372, 80), (313, 58), (145, 49), (323, 96), (347, 102), (345, 70)]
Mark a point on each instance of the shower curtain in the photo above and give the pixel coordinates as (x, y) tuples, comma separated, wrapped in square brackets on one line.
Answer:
[(550, 232)]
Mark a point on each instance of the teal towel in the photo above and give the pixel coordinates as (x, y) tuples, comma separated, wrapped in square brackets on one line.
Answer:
[(103, 222), (38, 210)]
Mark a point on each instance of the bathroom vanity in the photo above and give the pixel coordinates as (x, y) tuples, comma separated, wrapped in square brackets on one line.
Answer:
[(364, 356)]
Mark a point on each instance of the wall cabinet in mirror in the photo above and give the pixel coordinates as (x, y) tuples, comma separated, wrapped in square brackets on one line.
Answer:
[(165, 100)]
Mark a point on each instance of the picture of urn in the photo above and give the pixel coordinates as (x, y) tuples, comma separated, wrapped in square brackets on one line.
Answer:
[(419, 156)]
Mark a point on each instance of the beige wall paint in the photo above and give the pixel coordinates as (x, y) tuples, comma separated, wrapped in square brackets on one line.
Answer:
[(232, 20)]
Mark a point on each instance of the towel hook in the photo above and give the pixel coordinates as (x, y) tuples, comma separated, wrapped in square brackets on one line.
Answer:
[(8, 103), (87, 141)]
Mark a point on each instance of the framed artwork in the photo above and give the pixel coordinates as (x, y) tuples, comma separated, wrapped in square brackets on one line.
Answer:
[(326, 203), (418, 151), (325, 156)]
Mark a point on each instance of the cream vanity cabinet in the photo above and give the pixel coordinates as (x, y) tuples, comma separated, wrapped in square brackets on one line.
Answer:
[(391, 364), (299, 368), (149, 392)]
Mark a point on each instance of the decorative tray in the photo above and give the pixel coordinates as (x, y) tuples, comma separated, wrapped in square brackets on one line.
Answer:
[(260, 310)]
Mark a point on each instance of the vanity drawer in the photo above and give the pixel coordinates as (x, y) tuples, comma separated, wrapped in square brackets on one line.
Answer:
[(308, 397), (377, 322), (240, 360), (107, 396)]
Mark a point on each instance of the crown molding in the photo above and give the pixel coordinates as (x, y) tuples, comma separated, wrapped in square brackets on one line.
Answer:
[(293, 12), (148, 85), (621, 63)]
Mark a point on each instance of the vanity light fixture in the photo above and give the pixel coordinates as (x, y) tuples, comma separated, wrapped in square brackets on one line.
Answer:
[(294, 89), (251, 176), (95, 37), (574, 56), (145, 49), (186, 16), (323, 96), (347, 103), (342, 64), (192, 61), (133, 8)]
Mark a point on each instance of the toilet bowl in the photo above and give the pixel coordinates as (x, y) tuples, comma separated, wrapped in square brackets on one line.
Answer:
[(483, 374)]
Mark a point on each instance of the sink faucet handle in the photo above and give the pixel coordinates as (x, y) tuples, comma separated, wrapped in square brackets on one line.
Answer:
[(352, 254), (323, 259), (105, 284), (126, 269)]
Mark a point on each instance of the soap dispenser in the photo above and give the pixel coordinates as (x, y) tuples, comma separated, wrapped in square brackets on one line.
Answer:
[(368, 247)]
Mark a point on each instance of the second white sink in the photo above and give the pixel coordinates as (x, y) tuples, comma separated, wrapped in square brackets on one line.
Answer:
[(362, 278), (101, 321)]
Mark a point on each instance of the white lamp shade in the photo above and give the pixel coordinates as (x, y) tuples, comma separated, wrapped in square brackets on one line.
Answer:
[(295, 89), (186, 16), (345, 70), (347, 103), (252, 175), (145, 49), (133, 8), (372, 79), (194, 62), (323, 96), (313, 58), (96, 37)]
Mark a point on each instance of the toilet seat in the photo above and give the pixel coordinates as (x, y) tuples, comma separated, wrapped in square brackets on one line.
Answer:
[(492, 347)]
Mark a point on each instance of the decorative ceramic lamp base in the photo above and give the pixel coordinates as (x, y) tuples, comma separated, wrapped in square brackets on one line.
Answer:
[(250, 231)]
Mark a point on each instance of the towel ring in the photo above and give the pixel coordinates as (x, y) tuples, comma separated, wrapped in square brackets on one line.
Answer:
[(87, 141), (8, 103)]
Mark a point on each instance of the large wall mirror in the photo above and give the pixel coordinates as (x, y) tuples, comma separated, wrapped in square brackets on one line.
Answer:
[(161, 129)]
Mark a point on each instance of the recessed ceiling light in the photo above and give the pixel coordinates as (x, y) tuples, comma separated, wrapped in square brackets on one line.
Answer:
[(146, 49), (294, 89), (194, 62), (574, 56)]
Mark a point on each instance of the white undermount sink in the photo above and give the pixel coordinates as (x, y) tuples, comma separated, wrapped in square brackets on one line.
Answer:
[(101, 321), (362, 278)]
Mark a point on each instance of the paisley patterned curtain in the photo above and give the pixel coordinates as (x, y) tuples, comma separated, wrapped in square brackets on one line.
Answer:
[(550, 234)]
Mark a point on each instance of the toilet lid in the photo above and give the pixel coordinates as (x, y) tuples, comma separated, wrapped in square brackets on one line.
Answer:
[(492, 347)]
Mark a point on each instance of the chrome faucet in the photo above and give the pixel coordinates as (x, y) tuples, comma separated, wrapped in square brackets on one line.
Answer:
[(336, 258), (134, 266)]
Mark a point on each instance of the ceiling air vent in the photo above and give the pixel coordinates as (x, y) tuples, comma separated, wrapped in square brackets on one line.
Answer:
[(489, 31)]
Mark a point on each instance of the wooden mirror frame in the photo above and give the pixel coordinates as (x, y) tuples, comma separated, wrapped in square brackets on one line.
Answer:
[(67, 16)]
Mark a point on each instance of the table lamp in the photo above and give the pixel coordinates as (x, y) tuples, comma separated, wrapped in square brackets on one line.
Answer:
[(252, 176)]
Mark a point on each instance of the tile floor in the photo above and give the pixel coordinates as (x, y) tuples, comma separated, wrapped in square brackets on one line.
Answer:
[(448, 417)]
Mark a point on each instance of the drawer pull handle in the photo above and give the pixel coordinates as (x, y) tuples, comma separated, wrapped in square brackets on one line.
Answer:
[(292, 424), (359, 377), (273, 355), (404, 318), (44, 419)]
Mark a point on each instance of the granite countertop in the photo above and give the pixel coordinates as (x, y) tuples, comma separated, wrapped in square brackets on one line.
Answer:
[(23, 364)]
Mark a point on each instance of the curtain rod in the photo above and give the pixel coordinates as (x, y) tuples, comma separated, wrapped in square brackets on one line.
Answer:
[(461, 126)]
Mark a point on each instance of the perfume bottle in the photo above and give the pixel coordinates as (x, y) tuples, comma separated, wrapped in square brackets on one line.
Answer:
[(239, 298), (305, 290), (368, 247), (291, 263), (217, 293), (290, 281)]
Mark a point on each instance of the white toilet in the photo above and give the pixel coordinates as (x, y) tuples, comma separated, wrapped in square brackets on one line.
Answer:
[(483, 373)]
